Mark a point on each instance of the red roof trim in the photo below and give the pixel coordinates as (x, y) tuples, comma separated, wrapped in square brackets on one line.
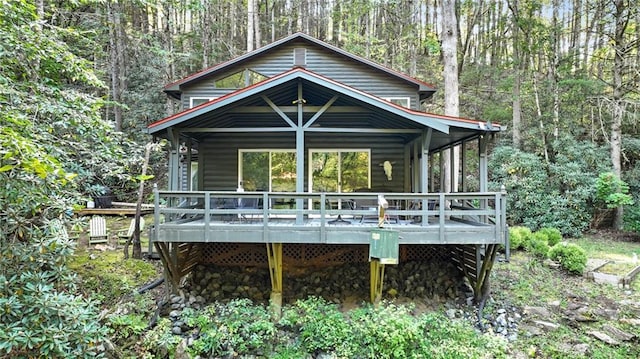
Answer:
[(211, 102), (303, 70)]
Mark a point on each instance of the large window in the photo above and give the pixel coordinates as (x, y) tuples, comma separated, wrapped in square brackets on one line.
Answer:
[(339, 170), (268, 170), (240, 79)]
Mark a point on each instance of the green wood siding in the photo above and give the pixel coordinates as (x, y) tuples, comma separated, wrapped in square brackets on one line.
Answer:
[(220, 155), (320, 61)]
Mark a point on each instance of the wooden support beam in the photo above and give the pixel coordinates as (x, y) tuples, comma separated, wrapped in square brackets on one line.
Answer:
[(377, 280), (321, 111), (274, 256), (294, 109), (170, 270), (278, 111), (481, 286)]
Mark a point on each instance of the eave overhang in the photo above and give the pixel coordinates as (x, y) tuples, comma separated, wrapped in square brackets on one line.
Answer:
[(424, 120)]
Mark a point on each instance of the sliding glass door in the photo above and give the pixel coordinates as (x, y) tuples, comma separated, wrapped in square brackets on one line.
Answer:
[(339, 170)]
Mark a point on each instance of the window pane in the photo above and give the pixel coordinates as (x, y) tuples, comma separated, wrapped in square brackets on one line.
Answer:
[(255, 77), (402, 101), (235, 81), (355, 170), (324, 171), (255, 171), (283, 171)]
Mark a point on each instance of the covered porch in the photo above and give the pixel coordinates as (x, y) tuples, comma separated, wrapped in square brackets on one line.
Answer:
[(299, 159)]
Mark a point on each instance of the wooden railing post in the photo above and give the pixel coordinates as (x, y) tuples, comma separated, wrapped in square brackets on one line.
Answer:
[(207, 216)]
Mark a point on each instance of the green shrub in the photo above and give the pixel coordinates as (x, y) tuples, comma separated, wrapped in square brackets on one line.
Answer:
[(612, 191), (537, 245), (559, 194), (444, 338), (571, 256), (41, 317), (159, 342), (553, 235), (518, 236), (386, 331), (321, 325), (632, 218), (237, 328)]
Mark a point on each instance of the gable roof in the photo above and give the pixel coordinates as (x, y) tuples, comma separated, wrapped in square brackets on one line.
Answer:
[(440, 123), (174, 89)]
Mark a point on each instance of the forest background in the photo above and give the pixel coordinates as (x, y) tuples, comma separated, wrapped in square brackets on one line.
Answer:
[(81, 79)]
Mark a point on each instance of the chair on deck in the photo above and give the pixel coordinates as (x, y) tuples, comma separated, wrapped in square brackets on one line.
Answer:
[(123, 236), (248, 203), (57, 228), (98, 230)]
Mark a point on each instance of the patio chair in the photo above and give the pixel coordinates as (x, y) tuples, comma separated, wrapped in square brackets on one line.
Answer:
[(123, 236), (248, 203), (98, 230), (57, 228)]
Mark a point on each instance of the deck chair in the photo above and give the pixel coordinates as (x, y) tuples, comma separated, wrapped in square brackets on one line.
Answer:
[(57, 228), (98, 230), (123, 236), (248, 203)]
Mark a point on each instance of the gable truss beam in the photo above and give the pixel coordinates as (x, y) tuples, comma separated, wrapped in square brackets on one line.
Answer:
[(294, 109), (278, 111), (321, 111), (289, 129)]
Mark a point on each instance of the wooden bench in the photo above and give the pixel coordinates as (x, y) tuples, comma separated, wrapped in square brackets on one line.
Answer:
[(123, 236), (98, 230)]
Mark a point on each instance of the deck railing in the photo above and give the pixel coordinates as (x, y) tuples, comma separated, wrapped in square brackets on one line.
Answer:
[(329, 209)]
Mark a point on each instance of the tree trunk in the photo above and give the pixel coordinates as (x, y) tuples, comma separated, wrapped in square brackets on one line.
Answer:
[(555, 64), (137, 248), (250, 31), (517, 66), (114, 62), (621, 19), (449, 38)]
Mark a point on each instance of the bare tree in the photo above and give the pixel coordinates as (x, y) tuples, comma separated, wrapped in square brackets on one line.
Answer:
[(449, 38), (251, 8)]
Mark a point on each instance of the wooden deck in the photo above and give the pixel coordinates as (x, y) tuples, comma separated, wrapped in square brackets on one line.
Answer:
[(203, 217), (187, 223)]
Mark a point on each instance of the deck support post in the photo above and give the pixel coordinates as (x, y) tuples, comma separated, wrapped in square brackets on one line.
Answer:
[(481, 287), (274, 255), (377, 280)]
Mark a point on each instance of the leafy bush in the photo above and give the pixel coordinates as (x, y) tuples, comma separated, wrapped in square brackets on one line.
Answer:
[(518, 236), (632, 218), (236, 328), (537, 245), (553, 235), (443, 338), (387, 331), (612, 191), (321, 325), (40, 315), (159, 342), (559, 194), (571, 256)]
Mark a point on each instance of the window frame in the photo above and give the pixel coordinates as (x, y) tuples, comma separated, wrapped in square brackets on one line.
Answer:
[(339, 151), (207, 99), (395, 98), (262, 150)]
